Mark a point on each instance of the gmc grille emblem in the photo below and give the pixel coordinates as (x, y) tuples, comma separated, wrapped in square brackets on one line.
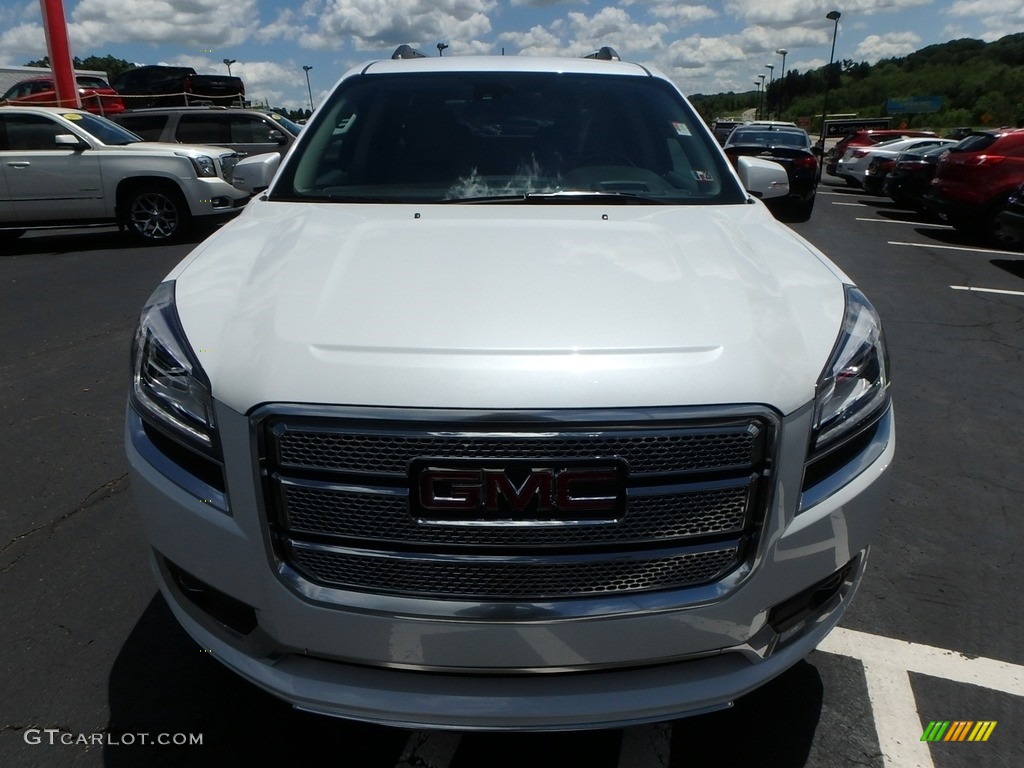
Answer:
[(511, 491)]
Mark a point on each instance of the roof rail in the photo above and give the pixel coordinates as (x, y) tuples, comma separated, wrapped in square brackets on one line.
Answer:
[(605, 53), (407, 52)]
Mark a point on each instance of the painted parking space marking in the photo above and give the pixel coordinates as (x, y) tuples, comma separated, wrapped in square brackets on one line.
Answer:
[(887, 666), (973, 289), (904, 221), (856, 205), (957, 248)]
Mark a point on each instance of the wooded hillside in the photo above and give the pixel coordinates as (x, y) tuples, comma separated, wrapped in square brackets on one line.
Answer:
[(981, 84)]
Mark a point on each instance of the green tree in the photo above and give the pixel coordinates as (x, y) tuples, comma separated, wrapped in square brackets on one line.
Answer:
[(109, 64)]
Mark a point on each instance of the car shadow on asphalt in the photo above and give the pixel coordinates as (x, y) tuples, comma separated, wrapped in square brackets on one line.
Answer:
[(162, 683), (60, 242)]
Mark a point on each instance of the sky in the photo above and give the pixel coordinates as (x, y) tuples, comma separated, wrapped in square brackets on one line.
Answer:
[(704, 47)]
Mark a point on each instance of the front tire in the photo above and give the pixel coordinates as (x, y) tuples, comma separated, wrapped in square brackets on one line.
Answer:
[(156, 213)]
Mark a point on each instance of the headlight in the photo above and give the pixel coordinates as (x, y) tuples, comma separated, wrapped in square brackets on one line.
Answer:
[(854, 387), (169, 387), (204, 165)]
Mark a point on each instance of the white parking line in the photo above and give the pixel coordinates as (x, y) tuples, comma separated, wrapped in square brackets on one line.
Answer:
[(859, 205), (887, 664), (903, 221), (986, 290), (957, 248)]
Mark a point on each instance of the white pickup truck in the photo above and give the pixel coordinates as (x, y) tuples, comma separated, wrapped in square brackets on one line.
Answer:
[(508, 405), (66, 167)]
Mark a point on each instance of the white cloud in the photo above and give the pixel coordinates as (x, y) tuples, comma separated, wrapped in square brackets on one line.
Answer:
[(20, 43), (373, 24), (195, 25), (891, 44)]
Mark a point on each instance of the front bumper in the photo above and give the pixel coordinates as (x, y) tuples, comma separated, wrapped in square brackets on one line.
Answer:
[(591, 663)]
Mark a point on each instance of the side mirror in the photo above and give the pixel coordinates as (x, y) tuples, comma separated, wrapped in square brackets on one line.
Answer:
[(69, 140), (254, 174), (276, 137), (762, 178)]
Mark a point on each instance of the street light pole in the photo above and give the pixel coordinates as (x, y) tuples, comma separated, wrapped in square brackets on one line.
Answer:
[(757, 108), (760, 90), (832, 16), (782, 79), (309, 90), (228, 63), (768, 90), (440, 48)]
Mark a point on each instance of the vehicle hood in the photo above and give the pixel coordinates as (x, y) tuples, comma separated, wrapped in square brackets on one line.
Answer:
[(165, 146), (509, 306)]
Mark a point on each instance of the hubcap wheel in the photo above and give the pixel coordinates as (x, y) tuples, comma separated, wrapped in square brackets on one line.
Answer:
[(154, 216)]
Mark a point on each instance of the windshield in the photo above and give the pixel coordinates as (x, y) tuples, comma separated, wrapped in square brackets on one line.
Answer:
[(465, 136), (770, 138), (292, 127), (107, 132)]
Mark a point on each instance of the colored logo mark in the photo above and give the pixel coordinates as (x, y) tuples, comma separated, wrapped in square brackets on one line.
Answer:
[(958, 730)]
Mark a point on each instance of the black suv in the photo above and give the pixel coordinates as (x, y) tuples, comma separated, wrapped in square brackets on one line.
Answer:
[(246, 131)]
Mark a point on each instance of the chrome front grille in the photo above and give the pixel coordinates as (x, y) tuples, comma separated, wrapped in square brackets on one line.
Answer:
[(343, 510), (227, 166)]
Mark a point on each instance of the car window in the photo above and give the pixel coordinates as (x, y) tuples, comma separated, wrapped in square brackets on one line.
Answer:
[(461, 136), (86, 81), (770, 138), (975, 143), (246, 129), (30, 132), (149, 127), (203, 129), (104, 130)]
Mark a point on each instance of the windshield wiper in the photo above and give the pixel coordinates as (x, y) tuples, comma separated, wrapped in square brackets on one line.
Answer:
[(568, 196)]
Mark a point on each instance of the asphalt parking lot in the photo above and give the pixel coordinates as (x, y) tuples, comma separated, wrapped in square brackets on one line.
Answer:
[(96, 671)]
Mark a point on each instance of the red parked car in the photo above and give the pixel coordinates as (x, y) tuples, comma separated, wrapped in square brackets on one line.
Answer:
[(975, 179), (96, 94)]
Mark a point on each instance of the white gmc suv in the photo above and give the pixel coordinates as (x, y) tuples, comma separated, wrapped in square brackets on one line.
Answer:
[(67, 168), (506, 406)]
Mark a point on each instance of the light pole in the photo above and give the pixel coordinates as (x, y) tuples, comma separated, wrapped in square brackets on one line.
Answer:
[(760, 90), (228, 63), (440, 48), (306, 68), (832, 16), (768, 90), (758, 84), (782, 78)]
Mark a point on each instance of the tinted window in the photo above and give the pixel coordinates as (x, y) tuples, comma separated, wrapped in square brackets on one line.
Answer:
[(30, 132), (203, 129), (975, 143), (453, 136), (91, 82), (770, 138), (149, 127)]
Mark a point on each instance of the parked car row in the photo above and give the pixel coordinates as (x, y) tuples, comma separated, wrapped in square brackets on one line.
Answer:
[(69, 167), (136, 88), (975, 184)]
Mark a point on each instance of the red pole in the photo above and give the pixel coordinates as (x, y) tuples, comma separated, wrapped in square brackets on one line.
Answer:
[(60, 53)]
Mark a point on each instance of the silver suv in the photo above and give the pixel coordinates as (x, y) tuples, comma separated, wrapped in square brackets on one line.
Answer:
[(246, 131), (66, 167)]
